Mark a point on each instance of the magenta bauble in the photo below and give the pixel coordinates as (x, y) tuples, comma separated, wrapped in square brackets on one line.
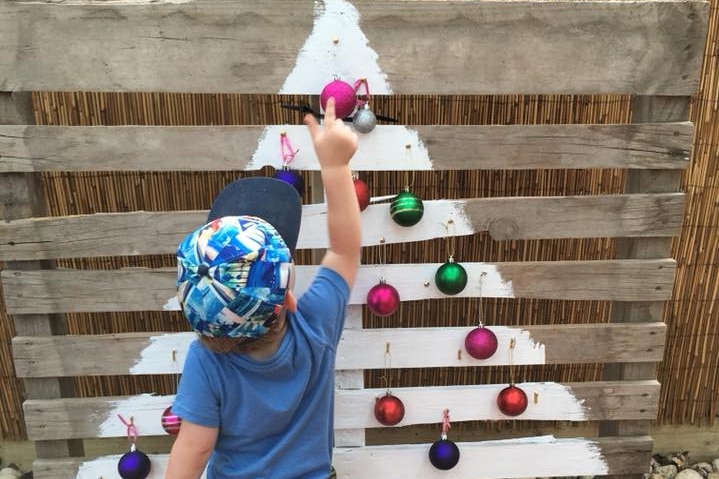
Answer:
[(171, 422), (344, 95), (389, 410), (512, 401), (363, 195), (480, 343), (383, 299)]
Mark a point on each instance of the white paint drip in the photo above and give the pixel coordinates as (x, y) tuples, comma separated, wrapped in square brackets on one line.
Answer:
[(384, 149), (321, 60), (157, 358)]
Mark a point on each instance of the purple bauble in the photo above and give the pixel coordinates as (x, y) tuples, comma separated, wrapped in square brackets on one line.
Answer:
[(383, 299), (480, 343), (344, 95), (134, 465), (444, 454), (292, 177)]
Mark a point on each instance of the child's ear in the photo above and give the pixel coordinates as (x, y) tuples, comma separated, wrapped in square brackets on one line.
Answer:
[(290, 302)]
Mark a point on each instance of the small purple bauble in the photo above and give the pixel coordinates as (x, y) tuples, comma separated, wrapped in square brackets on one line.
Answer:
[(444, 454), (344, 95), (134, 465), (480, 343), (383, 299), (292, 177)]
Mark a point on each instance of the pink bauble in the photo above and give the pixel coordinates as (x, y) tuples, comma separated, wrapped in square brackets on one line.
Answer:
[(171, 422), (480, 343), (383, 299), (344, 95)]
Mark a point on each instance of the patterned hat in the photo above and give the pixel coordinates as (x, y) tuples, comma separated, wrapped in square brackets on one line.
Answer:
[(232, 277), (233, 272)]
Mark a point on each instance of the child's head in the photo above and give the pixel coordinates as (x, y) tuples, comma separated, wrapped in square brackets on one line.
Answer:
[(234, 272)]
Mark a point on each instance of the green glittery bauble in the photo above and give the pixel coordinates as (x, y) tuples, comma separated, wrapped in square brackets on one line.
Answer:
[(406, 209), (451, 278)]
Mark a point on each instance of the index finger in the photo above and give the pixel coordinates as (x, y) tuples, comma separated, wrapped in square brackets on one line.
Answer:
[(330, 115)]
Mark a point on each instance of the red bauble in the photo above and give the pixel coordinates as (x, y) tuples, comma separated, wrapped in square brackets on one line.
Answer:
[(362, 191), (480, 343), (512, 401), (171, 422), (389, 410), (383, 299)]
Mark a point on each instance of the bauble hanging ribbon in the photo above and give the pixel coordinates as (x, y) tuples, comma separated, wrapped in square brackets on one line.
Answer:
[(388, 409), (285, 174), (444, 454), (170, 421), (134, 464), (364, 121), (512, 401)]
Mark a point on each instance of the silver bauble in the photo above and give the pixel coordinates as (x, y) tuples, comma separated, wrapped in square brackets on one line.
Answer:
[(364, 120)]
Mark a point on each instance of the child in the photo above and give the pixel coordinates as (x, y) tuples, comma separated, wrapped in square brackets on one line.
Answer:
[(256, 396)]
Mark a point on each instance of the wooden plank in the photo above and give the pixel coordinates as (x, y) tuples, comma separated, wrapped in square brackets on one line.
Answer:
[(145, 289), (543, 456), (97, 417), (151, 353), (649, 181), (139, 233), (648, 47), (350, 380), (435, 147), (22, 196)]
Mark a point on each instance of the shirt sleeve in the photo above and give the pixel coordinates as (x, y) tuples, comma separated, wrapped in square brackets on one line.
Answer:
[(197, 400), (324, 305)]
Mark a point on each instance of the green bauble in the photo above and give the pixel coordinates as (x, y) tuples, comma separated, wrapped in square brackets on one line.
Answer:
[(406, 209), (451, 278)]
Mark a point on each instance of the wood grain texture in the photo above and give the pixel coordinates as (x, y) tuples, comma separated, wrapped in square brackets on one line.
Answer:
[(151, 353), (648, 47), (96, 417), (139, 233), (542, 456), (438, 147), (145, 289)]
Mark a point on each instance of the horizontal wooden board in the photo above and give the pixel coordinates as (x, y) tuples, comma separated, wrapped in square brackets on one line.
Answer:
[(145, 289), (49, 419), (436, 147), (647, 47), (542, 456), (152, 353), (138, 233)]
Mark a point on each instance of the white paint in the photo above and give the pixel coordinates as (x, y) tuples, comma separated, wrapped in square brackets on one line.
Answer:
[(354, 409), (157, 358), (365, 349), (414, 282), (385, 149), (145, 410), (543, 456), (432, 347), (321, 60), (377, 224)]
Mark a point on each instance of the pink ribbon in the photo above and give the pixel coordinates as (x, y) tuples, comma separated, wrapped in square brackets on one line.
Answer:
[(358, 84), (288, 153), (131, 430)]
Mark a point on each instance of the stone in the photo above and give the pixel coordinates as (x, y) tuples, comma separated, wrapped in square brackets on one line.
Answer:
[(713, 475), (10, 472), (689, 474), (667, 472), (715, 464), (703, 468)]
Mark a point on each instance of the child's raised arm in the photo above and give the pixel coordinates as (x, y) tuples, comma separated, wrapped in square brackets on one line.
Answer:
[(335, 143)]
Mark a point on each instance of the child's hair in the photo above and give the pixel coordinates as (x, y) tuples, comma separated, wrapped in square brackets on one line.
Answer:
[(244, 344)]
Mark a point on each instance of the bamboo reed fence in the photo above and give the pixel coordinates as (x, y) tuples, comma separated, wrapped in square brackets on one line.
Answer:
[(690, 371)]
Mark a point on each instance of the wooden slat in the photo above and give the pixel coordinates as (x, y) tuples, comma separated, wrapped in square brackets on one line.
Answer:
[(542, 456), (436, 147), (97, 417), (138, 233), (151, 353), (145, 289), (649, 47)]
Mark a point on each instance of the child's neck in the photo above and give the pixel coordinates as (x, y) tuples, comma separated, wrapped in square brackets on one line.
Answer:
[(269, 348)]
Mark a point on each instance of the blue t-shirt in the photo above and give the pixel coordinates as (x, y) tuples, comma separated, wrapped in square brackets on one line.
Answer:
[(275, 417)]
